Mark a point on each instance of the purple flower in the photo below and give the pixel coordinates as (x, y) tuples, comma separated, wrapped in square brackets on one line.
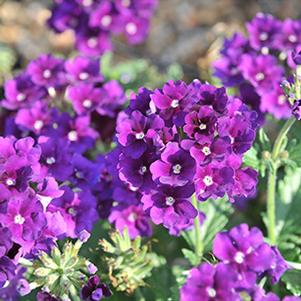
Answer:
[(263, 30), (296, 55), (84, 97), (7, 270), (93, 42), (83, 69), (136, 172), (245, 251), (213, 181), (112, 98), (296, 110), (133, 132), (207, 282), (133, 218), (175, 167), (171, 207), (262, 71), (95, 290), (46, 70), (21, 92), (24, 219), (44, 296), (201, 123), (278, 267)]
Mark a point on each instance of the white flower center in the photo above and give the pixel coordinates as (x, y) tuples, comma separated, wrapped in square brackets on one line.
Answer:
[(87, 3), (208, 181), (211, 292), (203, 126), (72, 136), (87, 103), (263, 36), (282, 56), (38, 124), (92, 42), (106, 20), (265, 50), (55, 126), (239, 257), (21, 97), (142, 170), (19, 219), (126, 3), (51, 92), (132, 217), (281, 99), (72, 211), (169, 201), (83, 75), (259, 76), (206, 151), (177, 169), (131, 28), (292, 38), (175, 103), (47, 73), (10, 182), (139, 136), (50, 160)]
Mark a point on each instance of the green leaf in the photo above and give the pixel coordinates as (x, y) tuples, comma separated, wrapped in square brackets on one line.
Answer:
[(292, 279), (294, 152), (288, 207), (251, 158), (217, 214), (190, 256), (264, 140)]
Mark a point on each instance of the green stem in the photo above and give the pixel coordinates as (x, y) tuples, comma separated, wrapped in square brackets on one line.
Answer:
[(199, 248), (272, 178), (139, 295)]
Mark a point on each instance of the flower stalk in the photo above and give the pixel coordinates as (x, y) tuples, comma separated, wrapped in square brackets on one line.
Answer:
[(199, 247), (272, 178)]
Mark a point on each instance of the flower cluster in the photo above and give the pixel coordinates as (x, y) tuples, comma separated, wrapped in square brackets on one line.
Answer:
[(183, 140), (49, 186), (256, 65), (245, 259), (95, 21)]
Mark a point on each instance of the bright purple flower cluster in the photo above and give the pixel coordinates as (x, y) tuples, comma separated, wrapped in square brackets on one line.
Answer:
[(95, 21), (257, 65), (73, 86), (244, 259), (49, 186), (183, 140)]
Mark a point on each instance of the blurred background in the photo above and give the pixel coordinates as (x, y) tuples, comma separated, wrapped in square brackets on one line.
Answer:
[(188, 32)]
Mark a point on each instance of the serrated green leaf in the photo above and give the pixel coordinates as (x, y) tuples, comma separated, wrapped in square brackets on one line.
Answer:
[(251, 158), (190, 256), (264, 140), (292, 280)]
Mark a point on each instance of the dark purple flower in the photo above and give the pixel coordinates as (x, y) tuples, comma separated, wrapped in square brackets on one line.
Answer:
[(171, 207), (44, 296), (7, 270), (296, 110), (95, 290)]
